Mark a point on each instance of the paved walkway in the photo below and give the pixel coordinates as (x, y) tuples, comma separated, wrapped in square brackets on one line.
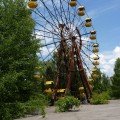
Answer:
[(110, 111)]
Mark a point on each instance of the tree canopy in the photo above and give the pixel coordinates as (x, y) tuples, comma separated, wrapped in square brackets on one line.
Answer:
[(116, 80), (18, 48)]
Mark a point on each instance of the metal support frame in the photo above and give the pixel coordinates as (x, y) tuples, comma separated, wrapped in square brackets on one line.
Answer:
[(74, 50)]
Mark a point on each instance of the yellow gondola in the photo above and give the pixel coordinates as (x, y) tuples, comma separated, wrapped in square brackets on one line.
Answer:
[(92, 35), (37, 76), (95, 45), (88, 22), (95, 58), (81, 88), (60, 90), (96, 62), (95, 50), (37, 68), (73, 3), (95, 69), (81, 11), (32, 4), (48, 91), (49, 82), (95, 76)]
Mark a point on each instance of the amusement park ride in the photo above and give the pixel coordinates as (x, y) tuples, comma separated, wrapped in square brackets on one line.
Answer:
[(65, 26)]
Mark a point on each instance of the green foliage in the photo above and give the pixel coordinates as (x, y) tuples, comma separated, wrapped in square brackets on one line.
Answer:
[(9, 111), (101, 84), (101, 98), (116, 80), (18, 59), (105, 82), (66, 103), (36, 105), (18, 50), (97, 83)]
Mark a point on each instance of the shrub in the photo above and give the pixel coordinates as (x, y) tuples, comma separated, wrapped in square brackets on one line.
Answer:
[(66, 103), (10, 111), (36, 105), (101, 98)]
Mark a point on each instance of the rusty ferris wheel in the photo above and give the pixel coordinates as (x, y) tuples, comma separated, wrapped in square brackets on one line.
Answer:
[(65, 29)]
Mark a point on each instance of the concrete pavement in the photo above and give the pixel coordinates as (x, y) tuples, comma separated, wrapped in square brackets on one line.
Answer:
[(109, 111)]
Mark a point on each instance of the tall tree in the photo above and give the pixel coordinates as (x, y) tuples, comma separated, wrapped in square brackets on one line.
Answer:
[(105, 82), (97, 83), (116, 80), (17, 52), (102, 83)]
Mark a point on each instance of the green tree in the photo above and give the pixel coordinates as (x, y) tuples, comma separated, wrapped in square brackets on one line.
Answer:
[(102, 83), (97, 83), (18, 57), (116, 80), (105, 82)]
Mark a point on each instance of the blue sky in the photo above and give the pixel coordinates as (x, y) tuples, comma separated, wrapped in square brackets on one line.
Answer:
[(105, 16), (106, 21)]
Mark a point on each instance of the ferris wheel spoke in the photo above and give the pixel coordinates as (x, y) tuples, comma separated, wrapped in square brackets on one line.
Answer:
[(50, 53), (79, 29), (54, 42), (87, 41), (48, 21), (84, 34), (55, 47), (90, 50), (74, 14), (88, 58), (47, 32), (68, 14), (50, 12), (59, 13), (86, 66), (64, 12), (56, 11), (78, 23), (44, 36), (49, 44), (55, 33)]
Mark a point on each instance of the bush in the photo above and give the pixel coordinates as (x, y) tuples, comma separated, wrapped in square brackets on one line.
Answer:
[(36, 105), (66, 103), (10, 111), (101, 98)]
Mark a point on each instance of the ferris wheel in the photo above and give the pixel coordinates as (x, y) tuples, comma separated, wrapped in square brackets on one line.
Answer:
[(66, 31)]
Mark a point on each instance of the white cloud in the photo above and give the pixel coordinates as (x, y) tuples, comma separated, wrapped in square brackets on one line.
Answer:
[(117, 51), (107, 60)]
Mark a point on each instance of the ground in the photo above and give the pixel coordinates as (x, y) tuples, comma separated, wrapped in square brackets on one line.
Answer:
[(110, 111)]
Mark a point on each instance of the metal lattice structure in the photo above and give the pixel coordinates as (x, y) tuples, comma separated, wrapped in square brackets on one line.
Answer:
[(65, 29)]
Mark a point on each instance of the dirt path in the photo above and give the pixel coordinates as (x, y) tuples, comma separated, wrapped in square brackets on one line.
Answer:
[(86, 112)]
